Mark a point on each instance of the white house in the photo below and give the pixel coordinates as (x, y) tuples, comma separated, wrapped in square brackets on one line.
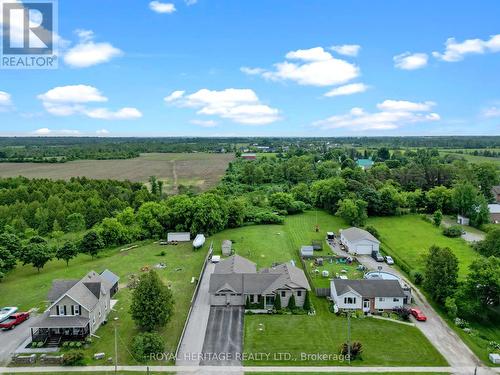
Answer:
[(370, 296), (359, 241)]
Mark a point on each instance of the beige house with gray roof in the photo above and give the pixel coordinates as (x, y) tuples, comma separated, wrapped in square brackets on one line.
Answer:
[(236, 278), (77, 308)]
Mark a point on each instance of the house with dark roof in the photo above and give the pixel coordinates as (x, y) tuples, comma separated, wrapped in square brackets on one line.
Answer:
[(359, 241), (368, 295), (236, 278), (77, 308)]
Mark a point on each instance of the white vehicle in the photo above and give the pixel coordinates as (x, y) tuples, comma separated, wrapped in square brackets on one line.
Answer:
[(389, 260), (6, 312), (215, 258), (198, 241)]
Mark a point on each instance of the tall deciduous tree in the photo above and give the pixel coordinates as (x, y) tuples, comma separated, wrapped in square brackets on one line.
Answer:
[(441, 273), (91, 243), (353, 211), (67, 252), (152, 302)]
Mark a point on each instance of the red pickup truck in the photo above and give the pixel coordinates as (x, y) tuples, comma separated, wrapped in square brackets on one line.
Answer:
[(14, 320)]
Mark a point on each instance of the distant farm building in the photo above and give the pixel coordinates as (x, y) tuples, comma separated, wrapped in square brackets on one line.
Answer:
[(178, 237), (494, 213), (249, 156), (364, 163)]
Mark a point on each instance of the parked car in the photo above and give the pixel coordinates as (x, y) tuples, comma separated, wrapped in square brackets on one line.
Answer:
[(376, 255), (389, 260), (419, 315), (5, 312), (14, 320)]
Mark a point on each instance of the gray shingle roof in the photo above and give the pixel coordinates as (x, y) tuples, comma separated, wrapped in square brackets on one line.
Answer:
[(496, 189), (370, 288), (110, 276), (356, 234), (235, 264), (48, 321), (265, 282), (59, 287)]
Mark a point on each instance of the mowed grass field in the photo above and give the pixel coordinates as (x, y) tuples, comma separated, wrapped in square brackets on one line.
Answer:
[(325, 332), (409, 237), (182, 264), (201, 170)]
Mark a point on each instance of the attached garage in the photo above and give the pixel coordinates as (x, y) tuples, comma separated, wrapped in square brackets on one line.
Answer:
[(359, 241)]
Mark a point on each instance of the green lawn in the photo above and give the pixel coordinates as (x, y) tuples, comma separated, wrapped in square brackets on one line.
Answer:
[(182, 264), (324, 332), (409, 237), (384, 343), (333, 269)]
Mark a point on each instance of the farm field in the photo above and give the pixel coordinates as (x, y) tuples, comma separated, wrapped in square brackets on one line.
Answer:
[(409, 237), (324, 332), (182, 264), (472, 158), (199, 170)]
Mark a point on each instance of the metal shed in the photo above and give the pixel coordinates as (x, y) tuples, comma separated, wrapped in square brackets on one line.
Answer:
[(306, 251)]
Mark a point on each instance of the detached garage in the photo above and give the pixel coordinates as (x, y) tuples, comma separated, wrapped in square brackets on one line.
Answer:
[(359, 241)]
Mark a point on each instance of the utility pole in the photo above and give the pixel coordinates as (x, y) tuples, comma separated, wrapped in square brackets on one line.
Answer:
[(116, 353), (349, 336)]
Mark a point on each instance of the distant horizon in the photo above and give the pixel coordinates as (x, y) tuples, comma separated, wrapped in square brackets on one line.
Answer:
[(201, 68)]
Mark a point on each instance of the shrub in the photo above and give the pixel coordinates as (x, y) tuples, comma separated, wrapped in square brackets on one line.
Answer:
[(73, 358), (291, 302), (417, 277), (307, 302), (453, 231), (403, 313), (40, 344), (451, 307), (356, 349), (277, 302), (146, 344)]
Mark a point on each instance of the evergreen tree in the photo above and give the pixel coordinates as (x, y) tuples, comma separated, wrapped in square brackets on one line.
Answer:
[(307, 302), (277, 302), (291, 302)]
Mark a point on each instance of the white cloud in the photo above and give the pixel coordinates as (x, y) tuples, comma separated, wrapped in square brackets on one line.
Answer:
[(313, 67), (5, 101), (102, 132), (393, 115), (174, 96), (239, 105), (252, 71), (190, 2), (159, 7), (65, 132), (347, 49), (410, 61), (404, 105), (74, 99), (204, 123), (121, 114), (352, 88), (88, 53), (456, 51), (491, 112)]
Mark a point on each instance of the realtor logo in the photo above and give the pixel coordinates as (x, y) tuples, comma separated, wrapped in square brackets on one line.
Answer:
[(28, 35)]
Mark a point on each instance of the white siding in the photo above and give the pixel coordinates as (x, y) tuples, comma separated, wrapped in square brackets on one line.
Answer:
[(362, 247), (388, 303)]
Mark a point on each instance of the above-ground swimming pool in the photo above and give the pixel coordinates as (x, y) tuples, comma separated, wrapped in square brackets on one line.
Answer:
[(381, 275)]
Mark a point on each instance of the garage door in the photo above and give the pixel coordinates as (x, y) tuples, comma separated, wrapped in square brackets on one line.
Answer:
[(364, 249)]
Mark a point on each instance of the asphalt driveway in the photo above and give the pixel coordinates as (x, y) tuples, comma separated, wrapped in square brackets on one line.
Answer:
[(224, 336), (12, 339)]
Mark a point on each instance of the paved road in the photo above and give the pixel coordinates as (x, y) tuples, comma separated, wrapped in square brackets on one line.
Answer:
[(224, 336), (12, 339), (232, 370), (192, 343)]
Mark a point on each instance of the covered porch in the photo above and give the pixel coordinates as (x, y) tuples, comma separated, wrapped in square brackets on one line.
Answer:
[(56, 329)]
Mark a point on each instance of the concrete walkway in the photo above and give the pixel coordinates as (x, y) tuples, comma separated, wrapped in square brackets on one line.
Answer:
[(192, 343), (233, 370)]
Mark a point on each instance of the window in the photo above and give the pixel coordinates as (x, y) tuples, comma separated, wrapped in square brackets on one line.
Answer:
[(381, 299), (299, 293), (99, 313), (349, 300), (78, 310), (252, 298), (283, 294), (395, 300), (61, 310), (93, 320)]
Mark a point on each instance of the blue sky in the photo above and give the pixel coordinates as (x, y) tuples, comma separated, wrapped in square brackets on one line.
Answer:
[(278, 68)]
